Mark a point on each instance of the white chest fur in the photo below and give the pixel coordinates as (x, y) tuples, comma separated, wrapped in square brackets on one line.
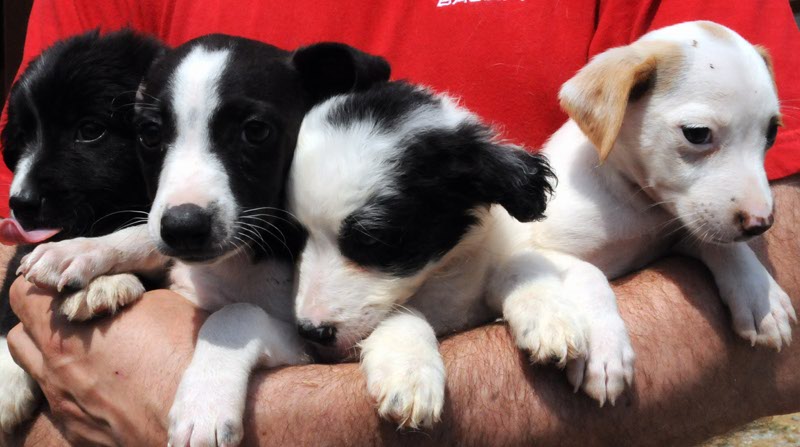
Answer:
[(597, 215), (267, 284)]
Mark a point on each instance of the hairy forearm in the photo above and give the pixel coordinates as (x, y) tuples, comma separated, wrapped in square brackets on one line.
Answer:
[(694, 377)]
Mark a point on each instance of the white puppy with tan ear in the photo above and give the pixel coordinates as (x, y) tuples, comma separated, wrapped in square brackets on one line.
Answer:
[(664, 152)]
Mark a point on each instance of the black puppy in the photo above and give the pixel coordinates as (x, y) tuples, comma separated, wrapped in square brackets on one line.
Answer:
[(218, 120), (70, 142)]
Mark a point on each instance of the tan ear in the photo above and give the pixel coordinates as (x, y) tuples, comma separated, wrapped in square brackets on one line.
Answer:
[(767, 60), (597, 96)]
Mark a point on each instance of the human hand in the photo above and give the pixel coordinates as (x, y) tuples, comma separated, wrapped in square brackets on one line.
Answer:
[(103, 388)]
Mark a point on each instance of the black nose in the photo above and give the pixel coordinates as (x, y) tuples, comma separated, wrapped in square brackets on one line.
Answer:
[(324, 334), (186, 227), (26, 206), (752, 225)]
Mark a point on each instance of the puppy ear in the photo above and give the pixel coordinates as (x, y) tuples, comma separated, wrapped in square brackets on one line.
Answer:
[(519, 181), (764, 53), (330, 68), (597, 96), (467, 165)]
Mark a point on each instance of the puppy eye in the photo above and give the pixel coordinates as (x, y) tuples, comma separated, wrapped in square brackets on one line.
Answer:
[(697, 135), (90, 131), (772, 132), (255, 132), (150, 135)]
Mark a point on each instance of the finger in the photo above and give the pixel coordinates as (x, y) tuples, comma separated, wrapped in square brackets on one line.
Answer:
[(79, 427), (33, 306), (24, 351)]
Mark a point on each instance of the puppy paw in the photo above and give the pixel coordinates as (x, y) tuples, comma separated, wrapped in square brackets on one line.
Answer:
[(408, 391), (104, 295), (608, 367), (71, 263), (546, 325), (19, 394), (412, 398), (765, 324), (208, 410)]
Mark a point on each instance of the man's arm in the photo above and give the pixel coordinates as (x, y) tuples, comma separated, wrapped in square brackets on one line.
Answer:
[(694, 377)]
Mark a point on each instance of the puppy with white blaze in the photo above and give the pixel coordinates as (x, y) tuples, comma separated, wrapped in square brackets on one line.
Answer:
[(664, 152), (409, 202), (217, 120)]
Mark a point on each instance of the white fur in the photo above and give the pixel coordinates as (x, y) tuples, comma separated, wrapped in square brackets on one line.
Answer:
[(208, 408), (324, 190), (105, 294), (404, 371), (97, 268), (76, 262), (21, 173), (655, 188), (252, 323), (189, 161), (335, 171), (19, 393)]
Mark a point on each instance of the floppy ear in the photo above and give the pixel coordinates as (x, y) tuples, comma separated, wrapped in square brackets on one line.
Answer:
[(764, 53), (330, 68), (519, 181), (597, 96)]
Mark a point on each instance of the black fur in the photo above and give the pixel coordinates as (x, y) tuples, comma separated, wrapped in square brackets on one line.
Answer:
[(82, 187), (261, 84), (443, 175)]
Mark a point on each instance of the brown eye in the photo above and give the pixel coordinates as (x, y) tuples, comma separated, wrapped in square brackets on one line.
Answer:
[(90, 131), (772, 132), (255, 132), (150, 135), (697, 135)]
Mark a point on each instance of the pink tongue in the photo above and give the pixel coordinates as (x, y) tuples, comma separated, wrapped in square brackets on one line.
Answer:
[(11, 233)]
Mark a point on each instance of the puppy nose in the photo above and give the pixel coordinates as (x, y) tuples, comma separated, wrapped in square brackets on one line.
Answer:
[(186, 227), (323, 334), (26, 206), (753, 225)]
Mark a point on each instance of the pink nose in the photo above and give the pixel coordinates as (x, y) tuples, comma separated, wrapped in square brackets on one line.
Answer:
[(753, 225)]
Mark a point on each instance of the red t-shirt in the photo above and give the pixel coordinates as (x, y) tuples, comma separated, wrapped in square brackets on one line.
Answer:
[(506, 59)]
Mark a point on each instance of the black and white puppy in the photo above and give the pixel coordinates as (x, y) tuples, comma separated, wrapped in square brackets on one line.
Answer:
[(396, 187), (71, 144), (218, 119)]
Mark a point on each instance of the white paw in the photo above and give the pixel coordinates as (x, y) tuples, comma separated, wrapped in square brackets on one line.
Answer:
[(104, 295), (608, 367), (208, 409), (546, 325), (19, 394), (765, 323), (72, 263), (409, 390)]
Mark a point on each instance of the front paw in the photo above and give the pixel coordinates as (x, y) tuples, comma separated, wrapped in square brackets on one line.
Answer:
[(104, 295), (547, 326), (764, 322), (608, 366), (71, 263), (208, 410), (409, 390), (19, 394)]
